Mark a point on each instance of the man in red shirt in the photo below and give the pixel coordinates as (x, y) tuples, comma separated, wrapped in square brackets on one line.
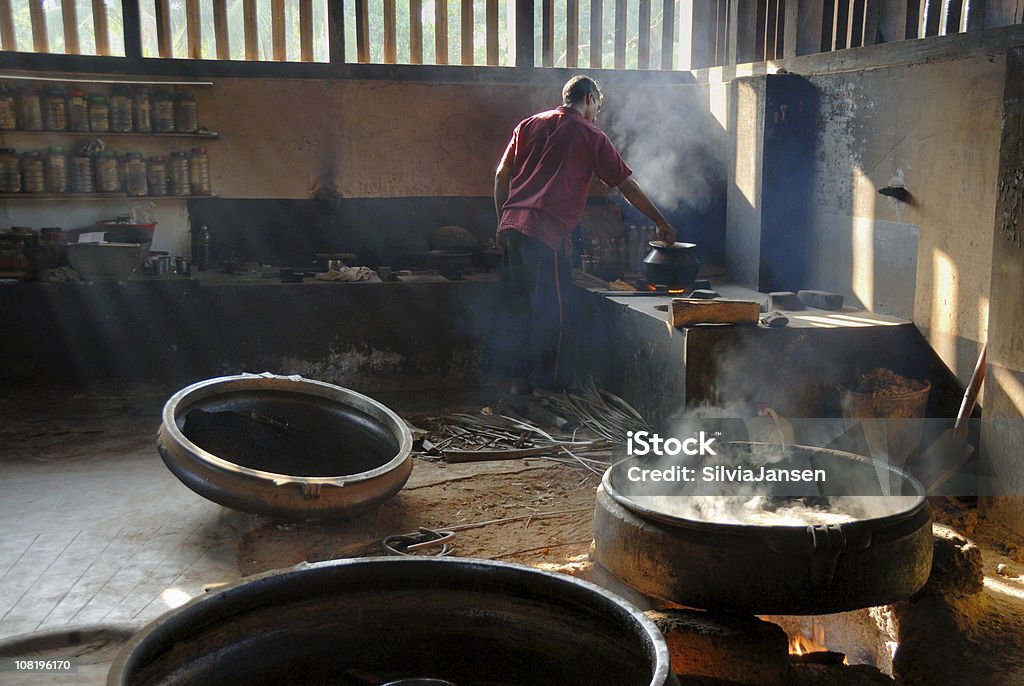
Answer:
[(540, 189)]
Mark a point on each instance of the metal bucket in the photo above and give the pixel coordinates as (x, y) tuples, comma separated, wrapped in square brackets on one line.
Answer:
[(400, 620)]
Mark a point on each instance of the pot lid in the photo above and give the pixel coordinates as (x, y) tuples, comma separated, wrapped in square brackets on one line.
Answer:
[(660, 245)]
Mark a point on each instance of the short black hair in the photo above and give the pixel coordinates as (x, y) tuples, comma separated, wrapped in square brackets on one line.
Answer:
[(578, 88)]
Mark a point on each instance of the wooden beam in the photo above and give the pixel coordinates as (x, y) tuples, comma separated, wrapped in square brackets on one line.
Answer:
[(841, 25), (746, 33), (525, 39), (547, 33), (69, 18), (193, 30), (855, 32), (596, 33), (390, 32), (363, 30), (954, 16), (572, 33), (163, 28), (7, 40), (828, 26), (760, 33), (976, 15), (220, 29), (250, 32), (306, 30), (668, 34), (491, 13), (277, 39), (415, 32), (732, 33), (722, 31), (931, 20), (699, 20), (913, 19), (791, 27), (467, 32), (620, 34), (336, 32), (771, 30), (872, 14), (643, 44), (38, 19), (440, 32)]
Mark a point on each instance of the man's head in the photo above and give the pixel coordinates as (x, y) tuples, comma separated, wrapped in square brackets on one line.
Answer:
[(582, 93)]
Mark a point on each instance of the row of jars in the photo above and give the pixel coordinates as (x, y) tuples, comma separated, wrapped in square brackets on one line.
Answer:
[(124, 110), (51, 171)]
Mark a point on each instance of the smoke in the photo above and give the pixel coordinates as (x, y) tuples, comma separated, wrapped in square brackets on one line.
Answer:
[(676, 149)]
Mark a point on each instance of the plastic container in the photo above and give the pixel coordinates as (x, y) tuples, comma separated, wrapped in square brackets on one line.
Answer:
[(55, 165), (33, 179), (81, 175), (135, 174), (30, 113), (120, 110), (78, 111), (199, 170), (10, 171), (55, 112), (99, 113), (142, 110), (156, 175), (108, 176), (186, 112), (8, 110), (163, 112), (180, 177)]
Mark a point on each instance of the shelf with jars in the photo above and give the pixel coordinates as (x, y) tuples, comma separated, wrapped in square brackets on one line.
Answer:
[(109, 110)]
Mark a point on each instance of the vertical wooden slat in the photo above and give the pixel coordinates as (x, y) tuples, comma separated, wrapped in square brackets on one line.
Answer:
[(277, 30), (572, 33), (791, 29), (771, 29), (69, 17), (35, 12), (336, 33), (163, 27), (668, 31), (760, 17), (931, 21), (828, 26), (780, 29), (732, 54), (620, 34), (467, 32), (252, 49), (954, 15), (491, 14), (220, 29), (747, 28), (596, 33), (547, 33), (913, 18), (390, 32), (7, 41), (722, 31), (855, 33), (440, 32), (699, 19), (306, 30), (976, 15), (643, 46), (415, 32), (525, 34), (363, 31), (871, 17), (193, 30), (841, 25)]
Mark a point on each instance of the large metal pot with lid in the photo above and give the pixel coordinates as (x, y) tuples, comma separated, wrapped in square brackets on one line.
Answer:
[(713, 551), (671, 266)]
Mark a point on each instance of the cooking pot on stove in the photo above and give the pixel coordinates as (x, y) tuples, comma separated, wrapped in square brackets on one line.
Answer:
[(704, 562), (672, 266)]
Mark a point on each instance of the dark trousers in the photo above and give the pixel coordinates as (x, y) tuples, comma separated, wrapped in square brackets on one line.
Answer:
[(535, 283)]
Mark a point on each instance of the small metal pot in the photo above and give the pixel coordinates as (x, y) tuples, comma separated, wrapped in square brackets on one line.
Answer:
[(672, 266)]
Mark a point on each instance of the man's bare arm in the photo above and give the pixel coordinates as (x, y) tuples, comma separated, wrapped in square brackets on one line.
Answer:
[(502, 177), (637, 198)]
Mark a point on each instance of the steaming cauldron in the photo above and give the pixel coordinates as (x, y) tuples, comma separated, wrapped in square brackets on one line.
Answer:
[(671, 266), (284, 446), (765, 569), (463, 621)]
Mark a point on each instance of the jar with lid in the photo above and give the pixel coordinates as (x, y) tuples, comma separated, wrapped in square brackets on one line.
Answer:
[(10, 171), (180, 176), (55, 165), (186, 112), (135, 174), (142, 110), (120, 110), (30, 113), (33, 180), (78, 111), (163, 112), (107, 174), (55, 113), (82, 178), (99, 113), (199, 168), (8, 111), (156, 175)]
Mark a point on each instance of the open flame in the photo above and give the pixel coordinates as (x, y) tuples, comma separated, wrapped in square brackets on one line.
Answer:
[(802, 645), (672, 291)]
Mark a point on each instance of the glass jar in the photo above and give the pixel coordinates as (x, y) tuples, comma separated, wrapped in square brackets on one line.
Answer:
[(163, 112), (142, 110), (78, 111), (56, 110), (135, 174), (120, 110), (107, 174), (181, 183), (199, 169), (186, 112), (156, 175), (82, 178), (8, 110), (99, 113), (10, 171), (30, 113), (33, 179), (56, 167)]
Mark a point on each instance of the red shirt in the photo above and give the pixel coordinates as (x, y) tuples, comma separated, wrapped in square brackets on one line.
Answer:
[(554, 156)]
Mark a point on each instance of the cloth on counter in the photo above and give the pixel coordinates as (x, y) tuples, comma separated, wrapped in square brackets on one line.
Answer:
[(348, 274)]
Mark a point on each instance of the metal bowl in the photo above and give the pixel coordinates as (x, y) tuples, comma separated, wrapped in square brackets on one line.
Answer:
[(284, 446)]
